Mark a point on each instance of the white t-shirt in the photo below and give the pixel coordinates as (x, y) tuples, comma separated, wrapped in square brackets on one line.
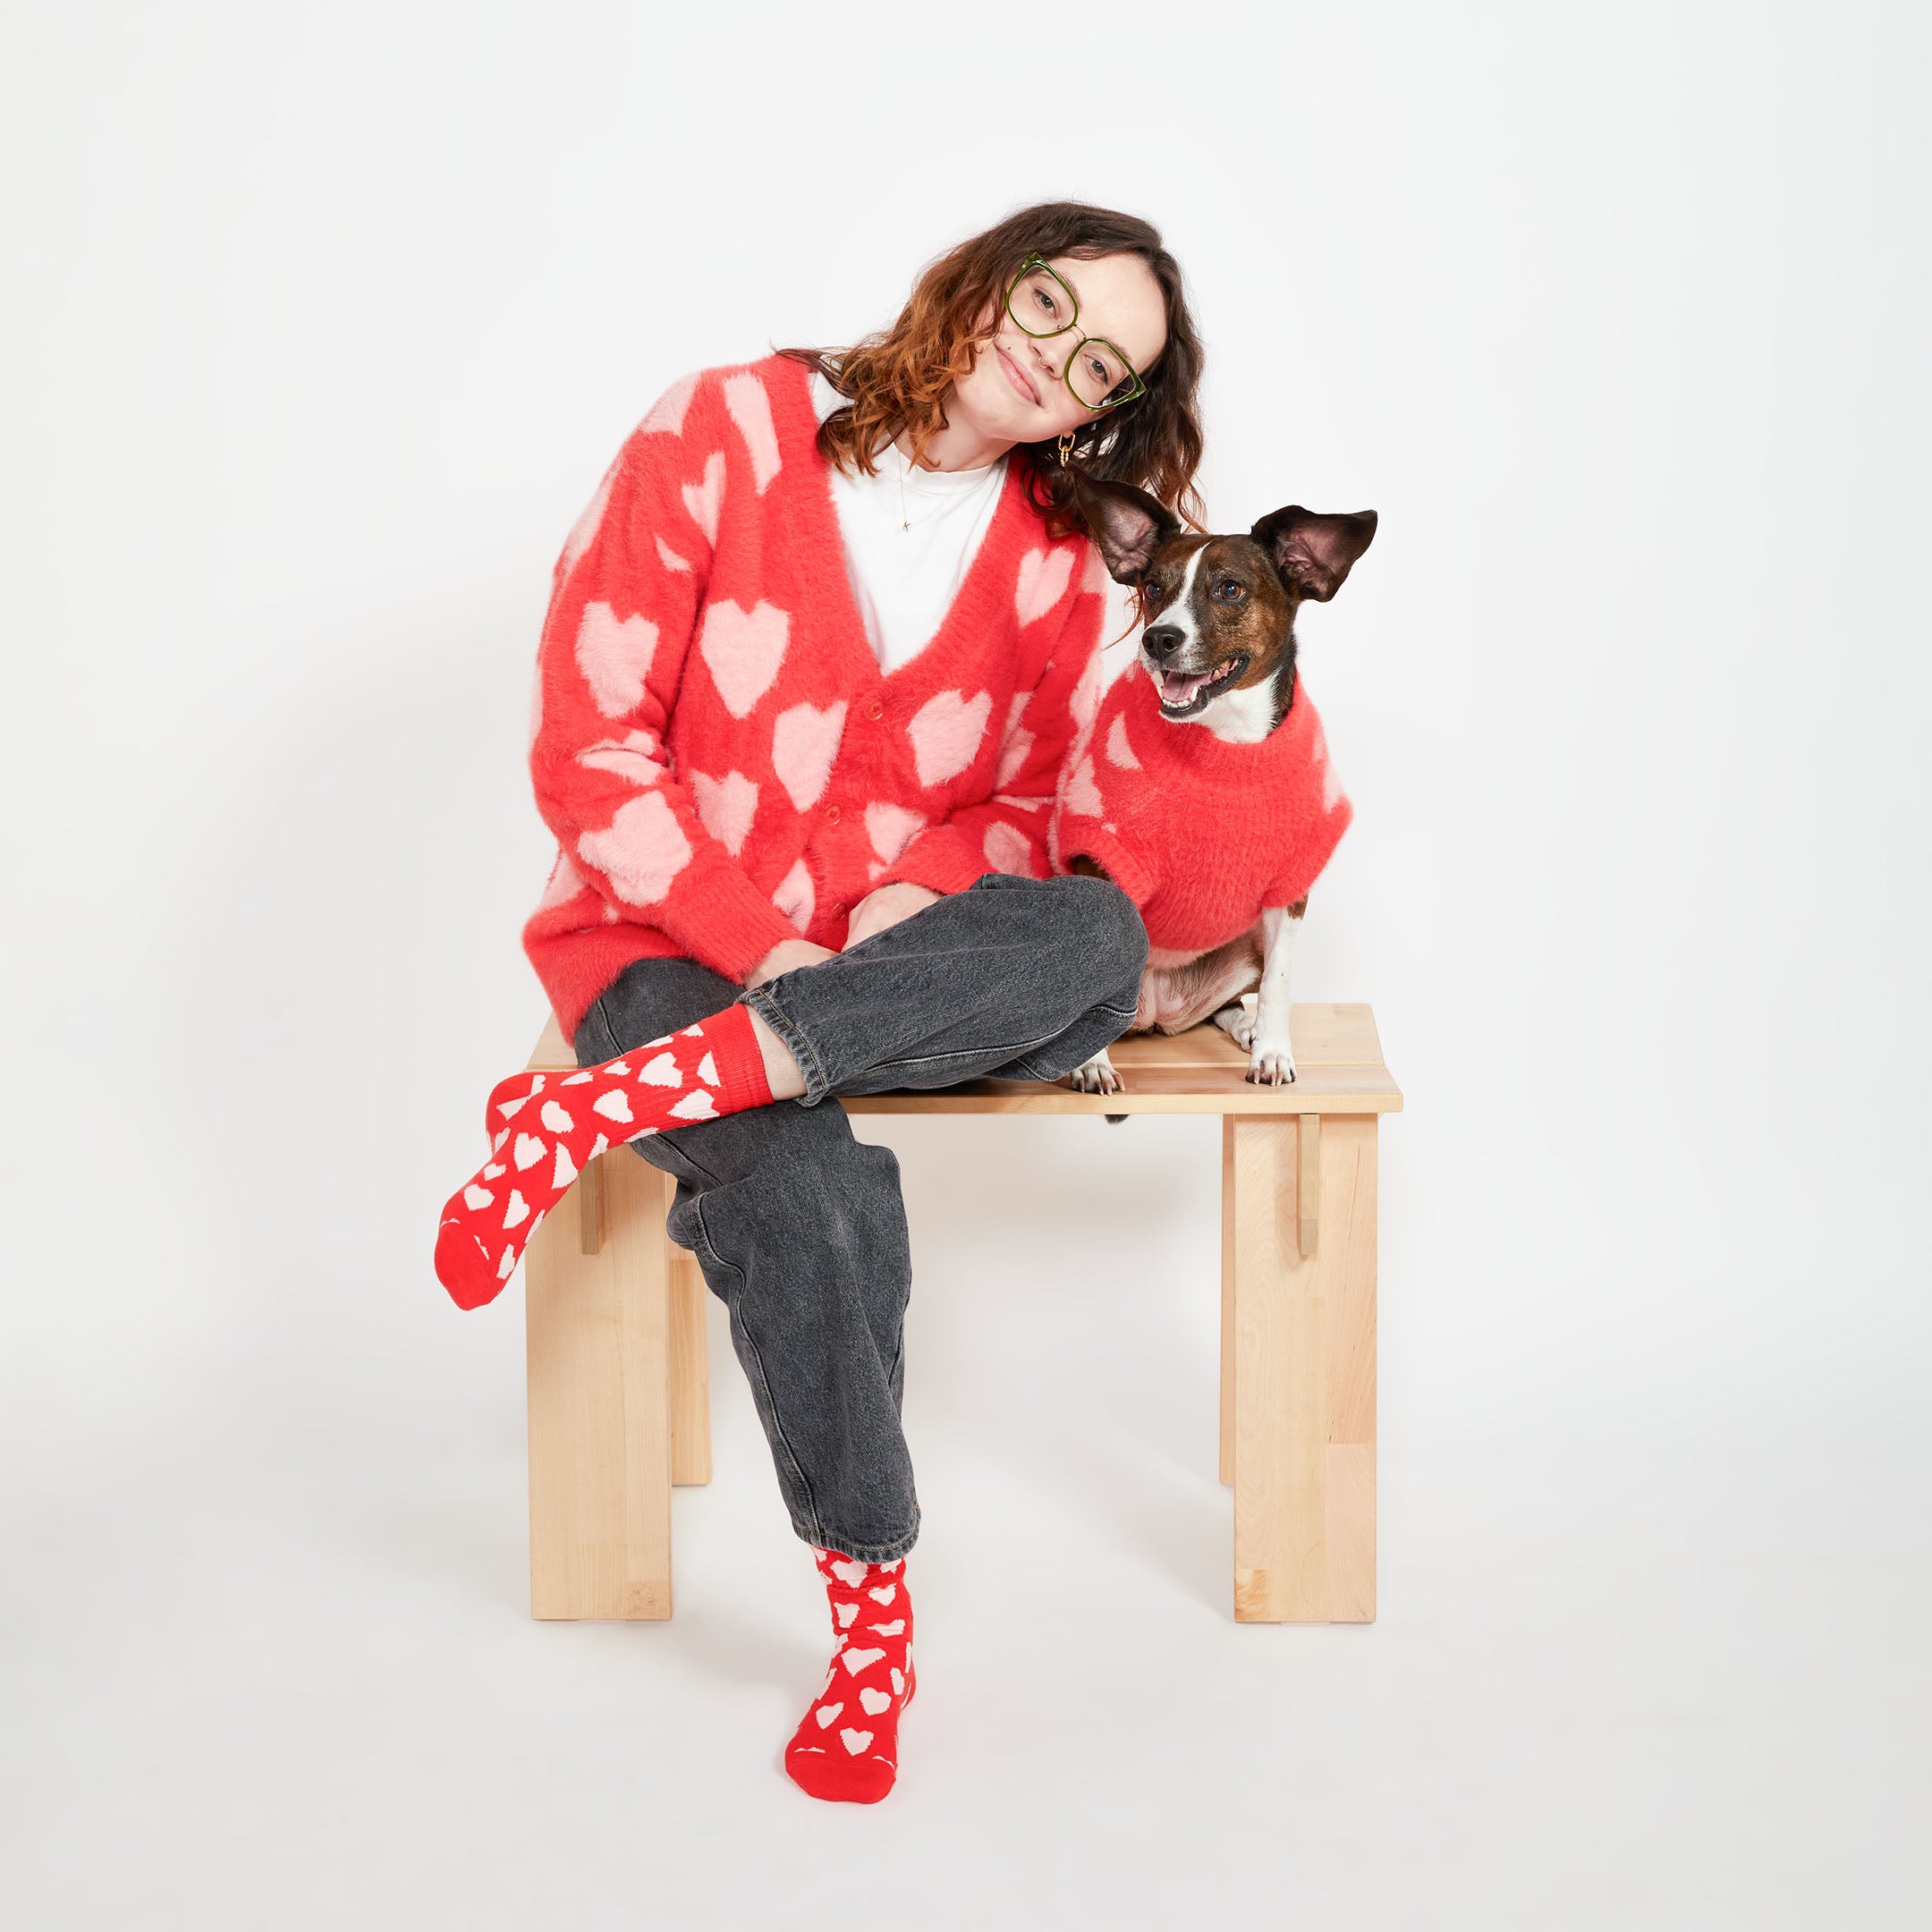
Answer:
[(903, 579)]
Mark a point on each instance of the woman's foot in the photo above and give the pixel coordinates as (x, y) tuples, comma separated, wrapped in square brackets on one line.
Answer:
[(846, 1747), (546, 1128)]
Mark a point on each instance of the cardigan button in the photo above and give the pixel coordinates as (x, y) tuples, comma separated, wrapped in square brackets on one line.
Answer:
[(876, 709), (831, 815)]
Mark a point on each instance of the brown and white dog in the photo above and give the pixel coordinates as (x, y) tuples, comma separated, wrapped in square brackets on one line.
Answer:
[(1218, 641)]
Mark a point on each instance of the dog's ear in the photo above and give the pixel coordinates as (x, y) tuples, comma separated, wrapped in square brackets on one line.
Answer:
[(1127, 524), (1313, 555)]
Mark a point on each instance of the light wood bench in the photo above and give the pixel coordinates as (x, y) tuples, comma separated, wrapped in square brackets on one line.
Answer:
[(619, 1404)]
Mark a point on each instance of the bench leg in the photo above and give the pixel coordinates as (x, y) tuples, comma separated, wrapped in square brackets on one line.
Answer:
[(690, 1368), (1227, 1298), (1303, 1349), (597, 1303)]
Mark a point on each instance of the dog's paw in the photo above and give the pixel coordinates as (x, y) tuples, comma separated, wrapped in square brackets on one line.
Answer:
[(1238, 1023), (1094, 1076), (1272, 1067)]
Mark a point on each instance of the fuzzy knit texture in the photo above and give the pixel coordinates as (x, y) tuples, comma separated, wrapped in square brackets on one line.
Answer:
[(1201, 833), (545, 1128), (846, 1746), (713, 743)]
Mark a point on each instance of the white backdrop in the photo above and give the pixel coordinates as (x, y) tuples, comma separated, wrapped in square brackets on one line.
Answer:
[(323, 323)]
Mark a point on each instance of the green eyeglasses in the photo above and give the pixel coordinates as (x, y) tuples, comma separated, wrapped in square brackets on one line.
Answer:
[(1098, 375)]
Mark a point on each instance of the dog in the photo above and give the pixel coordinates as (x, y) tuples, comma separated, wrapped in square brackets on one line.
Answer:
[(1204, 790)]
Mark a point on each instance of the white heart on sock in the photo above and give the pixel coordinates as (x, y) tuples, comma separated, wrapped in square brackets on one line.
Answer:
[(554, 1118), (898, 1685), (577, 1079), (613, 1106), (494, 1169), (565, 1171), (856, 1661), (618, 1066), (663, 1071), (529, 1150), (853, 1573), (855, 1741), (510, 1109), (517, 1212), (826, 1714), (845, 1612), (496, 1145), (476, 1196), (894, 1564), (695, 1105), (708, 1070), (507, 1265), (875, 1701), (884, 1595), (888, 1629)]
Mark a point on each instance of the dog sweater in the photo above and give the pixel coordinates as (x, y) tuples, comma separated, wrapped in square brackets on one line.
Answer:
[(1202, 834), (714, 744)]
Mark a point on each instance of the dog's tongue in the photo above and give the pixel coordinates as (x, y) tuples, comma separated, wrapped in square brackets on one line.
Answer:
[(1178, 687)]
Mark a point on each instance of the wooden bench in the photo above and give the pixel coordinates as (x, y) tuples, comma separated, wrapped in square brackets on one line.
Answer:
[(619, 1404)]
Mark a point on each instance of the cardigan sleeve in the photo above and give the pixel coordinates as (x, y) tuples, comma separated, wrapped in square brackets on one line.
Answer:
[(626, 598), (1006, 832)]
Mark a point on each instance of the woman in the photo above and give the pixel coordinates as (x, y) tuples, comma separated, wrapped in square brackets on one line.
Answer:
[(813, 656)]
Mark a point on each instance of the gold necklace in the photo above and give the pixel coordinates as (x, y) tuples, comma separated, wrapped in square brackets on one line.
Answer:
[(906, 521)]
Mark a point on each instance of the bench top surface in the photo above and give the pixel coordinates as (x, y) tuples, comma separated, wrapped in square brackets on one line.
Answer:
[(1338, 1070)]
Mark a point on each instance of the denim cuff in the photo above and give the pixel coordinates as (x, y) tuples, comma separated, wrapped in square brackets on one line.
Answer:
[(760, 1001)]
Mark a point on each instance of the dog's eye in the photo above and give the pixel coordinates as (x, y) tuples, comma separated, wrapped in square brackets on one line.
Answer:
[(1229, 591)]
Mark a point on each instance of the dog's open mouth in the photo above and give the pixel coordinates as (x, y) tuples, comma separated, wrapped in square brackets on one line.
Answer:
[(1183, 694)]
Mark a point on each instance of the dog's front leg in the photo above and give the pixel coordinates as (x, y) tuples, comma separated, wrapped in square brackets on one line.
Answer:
[(1270, 1053), (1097, 1075)]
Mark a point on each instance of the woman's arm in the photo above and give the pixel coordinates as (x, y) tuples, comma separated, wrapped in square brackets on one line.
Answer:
[(625, 604)]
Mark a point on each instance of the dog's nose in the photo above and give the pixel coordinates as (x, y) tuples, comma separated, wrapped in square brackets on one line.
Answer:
[(1162, 641)]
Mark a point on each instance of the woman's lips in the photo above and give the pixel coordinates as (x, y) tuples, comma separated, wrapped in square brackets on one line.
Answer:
[(1019, 378)]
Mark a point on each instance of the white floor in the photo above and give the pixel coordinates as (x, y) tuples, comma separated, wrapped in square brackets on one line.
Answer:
[(274, 1667)]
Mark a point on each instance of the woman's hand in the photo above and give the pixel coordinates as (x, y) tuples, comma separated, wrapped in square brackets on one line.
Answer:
[(783, 956), (886, 907)]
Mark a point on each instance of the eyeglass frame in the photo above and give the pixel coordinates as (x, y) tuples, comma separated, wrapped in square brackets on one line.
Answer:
[(1066, 375)]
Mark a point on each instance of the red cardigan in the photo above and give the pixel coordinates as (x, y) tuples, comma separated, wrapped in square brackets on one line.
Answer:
[(714, 744), (1201, 833)]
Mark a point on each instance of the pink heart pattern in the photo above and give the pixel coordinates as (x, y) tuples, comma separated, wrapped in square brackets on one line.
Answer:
[(946, 732), (805, 741), (743, 649)]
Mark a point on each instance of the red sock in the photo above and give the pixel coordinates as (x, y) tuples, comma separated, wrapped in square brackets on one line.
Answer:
[(546, 1128), (846, 1746)]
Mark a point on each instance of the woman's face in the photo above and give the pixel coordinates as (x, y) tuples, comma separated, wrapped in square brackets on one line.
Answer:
[(1016, 392)]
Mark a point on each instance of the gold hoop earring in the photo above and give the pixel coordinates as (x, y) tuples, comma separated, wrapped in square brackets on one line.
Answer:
[(1064, 445)]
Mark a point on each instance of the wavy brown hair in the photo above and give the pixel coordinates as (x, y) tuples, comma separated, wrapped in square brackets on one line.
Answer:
[(897, 380)]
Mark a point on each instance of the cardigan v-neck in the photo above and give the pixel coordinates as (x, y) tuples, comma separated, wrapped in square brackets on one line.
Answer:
[(909, 535), (715, 746)]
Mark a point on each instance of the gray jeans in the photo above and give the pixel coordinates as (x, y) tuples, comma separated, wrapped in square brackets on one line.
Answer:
[(799, 1229)]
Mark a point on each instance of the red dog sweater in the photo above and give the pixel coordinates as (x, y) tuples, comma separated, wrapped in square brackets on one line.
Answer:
[(1202, 834), (712, 743)]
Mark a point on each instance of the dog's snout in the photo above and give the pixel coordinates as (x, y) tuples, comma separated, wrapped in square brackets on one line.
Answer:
[(1162, 641)]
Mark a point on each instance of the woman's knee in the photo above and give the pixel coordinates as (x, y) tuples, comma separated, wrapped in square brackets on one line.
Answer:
[(1103, 931)]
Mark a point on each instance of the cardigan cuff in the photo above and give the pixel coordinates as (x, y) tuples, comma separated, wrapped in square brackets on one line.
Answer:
[(942, 858), (723, 921)]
